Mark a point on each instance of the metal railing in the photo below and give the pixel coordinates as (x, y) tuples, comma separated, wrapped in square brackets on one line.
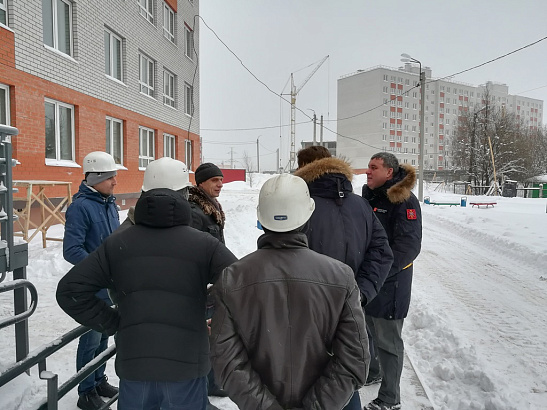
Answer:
[(16, 284), (39, 357)]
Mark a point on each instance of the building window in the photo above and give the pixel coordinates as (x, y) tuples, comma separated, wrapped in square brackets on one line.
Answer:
[(3, 12), (169, 146), (147, 10), (168, 89), (168, 23), (112, 55), (189, 43), (189, 100), (146, 75), (59, 130), (188, 153), (4, 105), (57, 24), (114, 139), (146, 146)]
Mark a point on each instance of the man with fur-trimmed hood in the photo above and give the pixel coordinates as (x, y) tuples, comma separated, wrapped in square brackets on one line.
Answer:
[(343, 225), (388, 191)]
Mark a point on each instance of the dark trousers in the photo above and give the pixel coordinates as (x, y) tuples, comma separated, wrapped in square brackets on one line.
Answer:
[(354, 403), (90, 346), (186, 395), (387, 356)]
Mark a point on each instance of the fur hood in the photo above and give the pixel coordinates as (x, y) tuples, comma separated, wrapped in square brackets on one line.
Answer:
[(404, 181), (317, 169)]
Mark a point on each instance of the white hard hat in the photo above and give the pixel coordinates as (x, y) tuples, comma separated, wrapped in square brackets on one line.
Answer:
[(284, 203), (98, 161), (166, 173)]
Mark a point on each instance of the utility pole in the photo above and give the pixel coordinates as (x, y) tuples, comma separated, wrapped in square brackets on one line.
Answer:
[(321, 131), (257, 155), (422, 135), (314, 128), (278, 163)]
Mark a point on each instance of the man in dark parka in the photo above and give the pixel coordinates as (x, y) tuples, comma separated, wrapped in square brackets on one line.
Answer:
[(388, 191)]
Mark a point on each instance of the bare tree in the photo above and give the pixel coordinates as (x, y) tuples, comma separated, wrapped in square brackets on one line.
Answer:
[(492, 143), (248, 164)]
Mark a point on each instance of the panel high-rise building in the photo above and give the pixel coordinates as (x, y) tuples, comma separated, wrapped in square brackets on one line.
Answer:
[(379, 110)]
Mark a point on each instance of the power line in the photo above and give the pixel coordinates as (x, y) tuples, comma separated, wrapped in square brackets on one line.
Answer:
[(253, 128)]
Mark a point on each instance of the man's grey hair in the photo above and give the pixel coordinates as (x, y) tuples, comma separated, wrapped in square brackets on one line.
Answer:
[(390, 160)]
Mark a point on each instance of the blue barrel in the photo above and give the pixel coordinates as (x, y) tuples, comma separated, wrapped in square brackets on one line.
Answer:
[(426, 200), (463, 201)]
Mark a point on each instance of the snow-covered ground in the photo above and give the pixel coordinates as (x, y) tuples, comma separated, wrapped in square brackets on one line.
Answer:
[(476, 332)]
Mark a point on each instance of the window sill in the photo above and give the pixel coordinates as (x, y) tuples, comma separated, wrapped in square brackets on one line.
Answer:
[(6, 27), (115, 80), (61, 163), (170, 106), (60, 53), (146, 95)]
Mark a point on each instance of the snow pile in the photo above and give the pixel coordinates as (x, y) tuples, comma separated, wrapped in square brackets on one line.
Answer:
[(477, 327)]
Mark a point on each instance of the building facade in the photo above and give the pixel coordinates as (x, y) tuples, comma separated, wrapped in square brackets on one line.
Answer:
[(379, 110), (116, 75)]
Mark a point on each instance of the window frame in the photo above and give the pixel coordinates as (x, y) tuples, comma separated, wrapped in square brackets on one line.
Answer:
[(169, 99), (169, 145), (110, 149), (4, 6), (142, 157), (147, 11), (58, 104), (189, 42), (6, 88), (55, 28), (114, 36), (188, 95), (151, 65), (188, 153), (169, 32)]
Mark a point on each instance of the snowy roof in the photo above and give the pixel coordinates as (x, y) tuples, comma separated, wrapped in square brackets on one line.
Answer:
[(538, 178)]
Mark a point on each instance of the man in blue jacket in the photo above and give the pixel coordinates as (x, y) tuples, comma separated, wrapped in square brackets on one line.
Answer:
[(388, 191), (90, 219)]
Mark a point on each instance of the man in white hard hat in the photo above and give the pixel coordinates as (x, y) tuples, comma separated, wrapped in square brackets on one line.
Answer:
[(288, 329), (90, 219), (159, 269)]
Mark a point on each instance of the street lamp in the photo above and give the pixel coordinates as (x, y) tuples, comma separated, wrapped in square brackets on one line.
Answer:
[(408, 59)]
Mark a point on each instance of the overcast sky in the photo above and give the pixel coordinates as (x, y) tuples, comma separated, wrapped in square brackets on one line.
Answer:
[(277, 38)]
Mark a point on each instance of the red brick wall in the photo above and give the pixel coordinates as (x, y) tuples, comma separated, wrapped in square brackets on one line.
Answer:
[(7, 47), (27, 95)]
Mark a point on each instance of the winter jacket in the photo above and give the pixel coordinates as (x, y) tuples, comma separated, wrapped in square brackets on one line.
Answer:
[(159, 268), (343, 225), (207, 214), (288, 330), (90, 218), (399, 211)]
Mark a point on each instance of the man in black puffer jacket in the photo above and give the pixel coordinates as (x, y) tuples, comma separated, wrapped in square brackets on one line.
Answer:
[(343, 225), (159, 269), (388, 191)]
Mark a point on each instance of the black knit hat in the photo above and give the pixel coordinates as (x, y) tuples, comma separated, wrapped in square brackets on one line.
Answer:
[(207, 171)]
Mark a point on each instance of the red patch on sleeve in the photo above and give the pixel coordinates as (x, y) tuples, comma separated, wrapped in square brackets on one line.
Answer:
[(411, 214)]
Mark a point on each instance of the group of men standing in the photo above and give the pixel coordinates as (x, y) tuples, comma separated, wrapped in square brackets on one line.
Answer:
[(297, 324)]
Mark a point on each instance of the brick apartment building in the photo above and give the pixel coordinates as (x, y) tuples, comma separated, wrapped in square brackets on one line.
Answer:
[(379, 110), (118, 75)]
